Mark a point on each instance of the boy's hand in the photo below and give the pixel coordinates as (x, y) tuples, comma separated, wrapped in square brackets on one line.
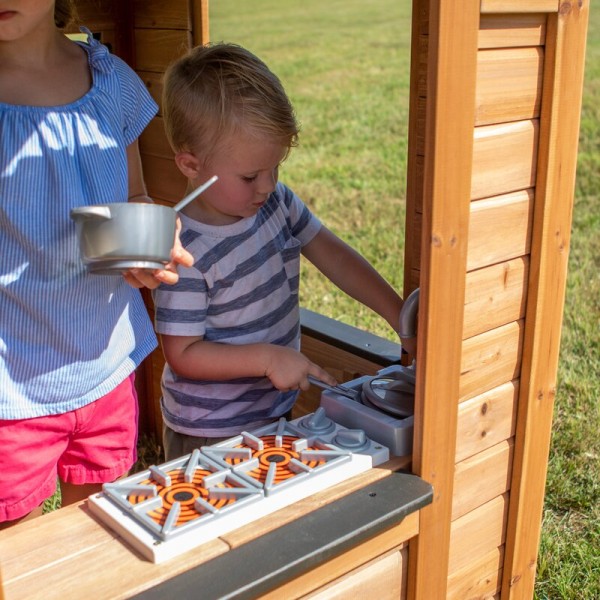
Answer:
[(289, 370)]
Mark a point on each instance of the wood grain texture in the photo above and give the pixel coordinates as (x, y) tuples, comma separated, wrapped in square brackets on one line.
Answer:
[(478, 533), (504, 158), (383, 578), (153, 140), (200, 22), (302, 507), (96, 15), (154, 85), (486, 420), (495, 296), (512, 30), (415, 161), (509, 85), (164, 180), (482, 477), (500, 229), (157, 48), (490, 359), (67, 554), (450, 115), (339, 566), (519, 6), (157, 14), (480, 579)]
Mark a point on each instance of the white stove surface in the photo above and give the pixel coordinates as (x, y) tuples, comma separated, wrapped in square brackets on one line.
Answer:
[(176, 506)]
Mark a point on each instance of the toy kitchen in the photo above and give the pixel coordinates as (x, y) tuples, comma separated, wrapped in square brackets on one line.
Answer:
[(285, 509), (171, 508)]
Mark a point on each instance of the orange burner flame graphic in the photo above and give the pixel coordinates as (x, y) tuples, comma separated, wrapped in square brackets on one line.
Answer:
[(183, 492), (281, 455)]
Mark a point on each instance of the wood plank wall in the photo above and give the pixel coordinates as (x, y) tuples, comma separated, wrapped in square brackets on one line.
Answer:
[(100, 17), (523, 130), (163, 31)]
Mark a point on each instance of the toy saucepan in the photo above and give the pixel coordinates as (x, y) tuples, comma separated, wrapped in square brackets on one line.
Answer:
[(125, 235)]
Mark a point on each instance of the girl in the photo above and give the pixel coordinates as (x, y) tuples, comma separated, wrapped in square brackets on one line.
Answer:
[(70, 116)]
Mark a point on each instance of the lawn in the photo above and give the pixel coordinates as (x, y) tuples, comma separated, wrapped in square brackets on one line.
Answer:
[(345, 65)]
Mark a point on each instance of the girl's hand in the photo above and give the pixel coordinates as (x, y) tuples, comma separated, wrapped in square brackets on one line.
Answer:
[(139, 278), (288, 370)]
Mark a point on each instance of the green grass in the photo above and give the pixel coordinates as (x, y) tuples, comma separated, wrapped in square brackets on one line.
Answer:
[(345, 64)]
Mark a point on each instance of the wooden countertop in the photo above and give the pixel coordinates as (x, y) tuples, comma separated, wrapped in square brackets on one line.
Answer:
[(69, 554)]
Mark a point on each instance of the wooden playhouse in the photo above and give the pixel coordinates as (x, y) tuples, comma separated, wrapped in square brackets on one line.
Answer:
[(494, 122)]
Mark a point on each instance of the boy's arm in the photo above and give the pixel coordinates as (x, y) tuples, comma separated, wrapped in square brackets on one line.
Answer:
[(354, 275), (194, 358)]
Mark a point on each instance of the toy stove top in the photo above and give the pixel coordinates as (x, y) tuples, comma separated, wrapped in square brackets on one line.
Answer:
[(171, 508)]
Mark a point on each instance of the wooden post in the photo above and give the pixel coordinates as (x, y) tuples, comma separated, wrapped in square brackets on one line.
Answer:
[(200, 22), (450, 114)]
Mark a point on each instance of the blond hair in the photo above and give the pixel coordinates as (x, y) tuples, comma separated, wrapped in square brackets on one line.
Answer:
[(219, 90), (64, 13)]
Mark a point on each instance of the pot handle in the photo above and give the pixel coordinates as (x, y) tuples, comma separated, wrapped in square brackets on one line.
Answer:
[(90, 212)]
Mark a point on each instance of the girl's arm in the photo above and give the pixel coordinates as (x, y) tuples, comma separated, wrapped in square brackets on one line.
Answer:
[(135, 174), (354, 275), (137, 193), (194, 358)]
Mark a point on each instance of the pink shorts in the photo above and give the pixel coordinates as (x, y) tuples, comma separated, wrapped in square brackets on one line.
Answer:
[(93, 444)]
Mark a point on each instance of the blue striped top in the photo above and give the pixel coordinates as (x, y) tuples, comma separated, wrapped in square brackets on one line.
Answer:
[(242, 289), (66, 337)]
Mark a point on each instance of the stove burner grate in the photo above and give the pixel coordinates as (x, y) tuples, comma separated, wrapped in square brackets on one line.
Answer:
[(176, 506), (276, 455), (167, 499)]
